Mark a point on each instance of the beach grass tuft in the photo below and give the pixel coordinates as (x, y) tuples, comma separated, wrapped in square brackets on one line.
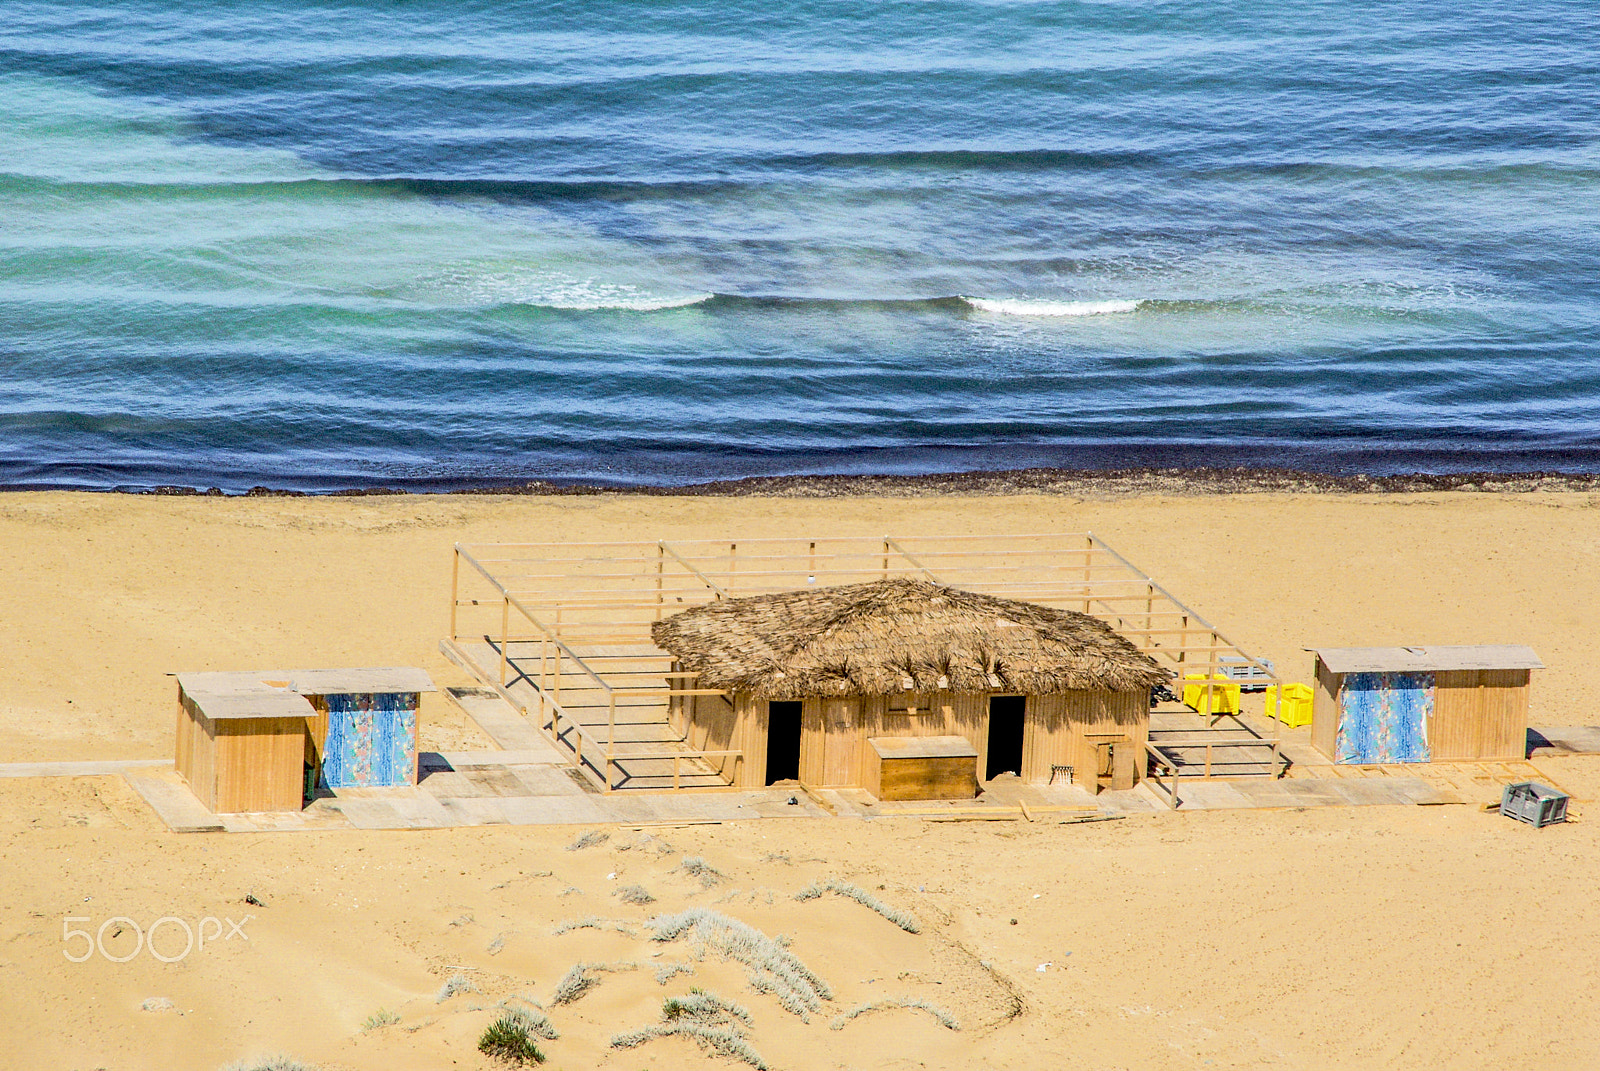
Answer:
[(381, 1018), (592, 922), (589, 840), (456, 984), (507, 1039), (944, 1018), (769, 966), (705, 1008), (270, 1063), (729, 1043), (635, 894), (903, 919), (667, 971), (530, 1017), (696, 867)]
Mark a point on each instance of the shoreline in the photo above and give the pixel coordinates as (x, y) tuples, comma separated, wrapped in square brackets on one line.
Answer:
[(999, 482)]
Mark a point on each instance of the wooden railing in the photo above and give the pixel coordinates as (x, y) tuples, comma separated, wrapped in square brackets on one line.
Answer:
[(590, 595)]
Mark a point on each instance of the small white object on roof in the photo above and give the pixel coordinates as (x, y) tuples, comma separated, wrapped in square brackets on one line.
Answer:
[(1427, 659)]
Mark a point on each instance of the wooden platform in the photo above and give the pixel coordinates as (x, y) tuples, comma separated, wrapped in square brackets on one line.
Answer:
[(1452, 782), (638, 738)]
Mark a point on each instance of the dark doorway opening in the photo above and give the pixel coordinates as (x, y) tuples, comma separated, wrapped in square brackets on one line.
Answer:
[(783, 742), (1005, 735)]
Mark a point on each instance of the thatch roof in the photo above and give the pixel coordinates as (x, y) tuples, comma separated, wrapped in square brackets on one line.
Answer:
[(899, 635)]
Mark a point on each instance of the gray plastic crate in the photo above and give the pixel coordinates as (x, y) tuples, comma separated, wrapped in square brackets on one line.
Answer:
[(1533, 803), (1250, 677)]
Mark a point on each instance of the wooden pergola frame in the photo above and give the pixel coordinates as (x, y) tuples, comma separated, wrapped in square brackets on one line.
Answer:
[(582, 612)]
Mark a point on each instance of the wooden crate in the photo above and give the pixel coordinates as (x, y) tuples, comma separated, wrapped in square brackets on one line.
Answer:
[(921, 768)]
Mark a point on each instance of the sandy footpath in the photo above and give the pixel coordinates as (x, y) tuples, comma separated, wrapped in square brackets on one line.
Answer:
[(1424, 937)]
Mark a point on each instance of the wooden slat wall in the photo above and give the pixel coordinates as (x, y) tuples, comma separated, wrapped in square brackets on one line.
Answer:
[(752, 715), (1325, 709), (812, 740), (1058, 728), (714, 724), (1481, 714), (317, 731), (834, 732), (196, 751), (259, 764)]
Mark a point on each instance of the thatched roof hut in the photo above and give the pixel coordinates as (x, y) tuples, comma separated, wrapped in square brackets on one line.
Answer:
[(900, 635)]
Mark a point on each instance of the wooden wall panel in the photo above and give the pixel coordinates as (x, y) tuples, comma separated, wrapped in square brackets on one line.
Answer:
[(813, 738), (714, 724), (1325, 710), (842, 742), (1071, 728), (260, 764), (751, 713), (1480, 714), (196, 751), (967, 714)]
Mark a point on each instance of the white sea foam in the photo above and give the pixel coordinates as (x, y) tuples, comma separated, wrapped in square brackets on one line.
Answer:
[(554, 290), (1020, 307)]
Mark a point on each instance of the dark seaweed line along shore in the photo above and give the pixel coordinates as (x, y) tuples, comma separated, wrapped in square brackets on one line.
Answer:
[(1043, 481)]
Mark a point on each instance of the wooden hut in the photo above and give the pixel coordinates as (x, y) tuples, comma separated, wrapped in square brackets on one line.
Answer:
[(1422, 704), (265, 741), (824, 680)]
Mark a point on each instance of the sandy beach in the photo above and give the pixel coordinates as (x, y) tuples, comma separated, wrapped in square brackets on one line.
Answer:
[(1371, 937)]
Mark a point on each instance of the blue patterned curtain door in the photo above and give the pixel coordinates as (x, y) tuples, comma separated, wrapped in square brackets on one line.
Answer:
[(372, 740), (1384, 718)]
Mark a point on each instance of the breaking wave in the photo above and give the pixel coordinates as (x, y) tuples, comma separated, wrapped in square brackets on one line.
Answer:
[(1020, 307)]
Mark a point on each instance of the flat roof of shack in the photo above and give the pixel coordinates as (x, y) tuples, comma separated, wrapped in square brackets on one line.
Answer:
[(278, 693), (1427, 659)]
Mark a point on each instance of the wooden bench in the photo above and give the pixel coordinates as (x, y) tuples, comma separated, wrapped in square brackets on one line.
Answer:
[(921, 768)]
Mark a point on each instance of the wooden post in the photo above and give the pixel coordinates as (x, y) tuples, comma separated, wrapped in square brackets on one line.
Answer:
[(505, 634), (1088, 557), (811, 561), (675, 758), (611, 723), (1208, 759), (661, 566), (733, 564), (886, 559), (455, 590)]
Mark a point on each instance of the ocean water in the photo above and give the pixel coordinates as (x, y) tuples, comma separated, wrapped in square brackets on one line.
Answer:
[(431, 245)]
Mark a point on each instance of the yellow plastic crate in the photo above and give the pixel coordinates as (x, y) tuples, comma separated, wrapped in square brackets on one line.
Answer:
[(1295, 708), (1224, 696)]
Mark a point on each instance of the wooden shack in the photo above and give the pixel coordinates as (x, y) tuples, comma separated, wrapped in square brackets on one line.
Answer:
[(818, 676), (265, 741), (1422, 704)]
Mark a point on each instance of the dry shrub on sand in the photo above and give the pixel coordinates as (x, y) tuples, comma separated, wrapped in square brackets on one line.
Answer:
[(715, 1024), (589, 840), (903, 919), (770, 967), (945, 1019)]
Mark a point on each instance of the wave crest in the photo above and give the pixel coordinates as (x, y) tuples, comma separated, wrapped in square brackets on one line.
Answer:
[(1020, 307)]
